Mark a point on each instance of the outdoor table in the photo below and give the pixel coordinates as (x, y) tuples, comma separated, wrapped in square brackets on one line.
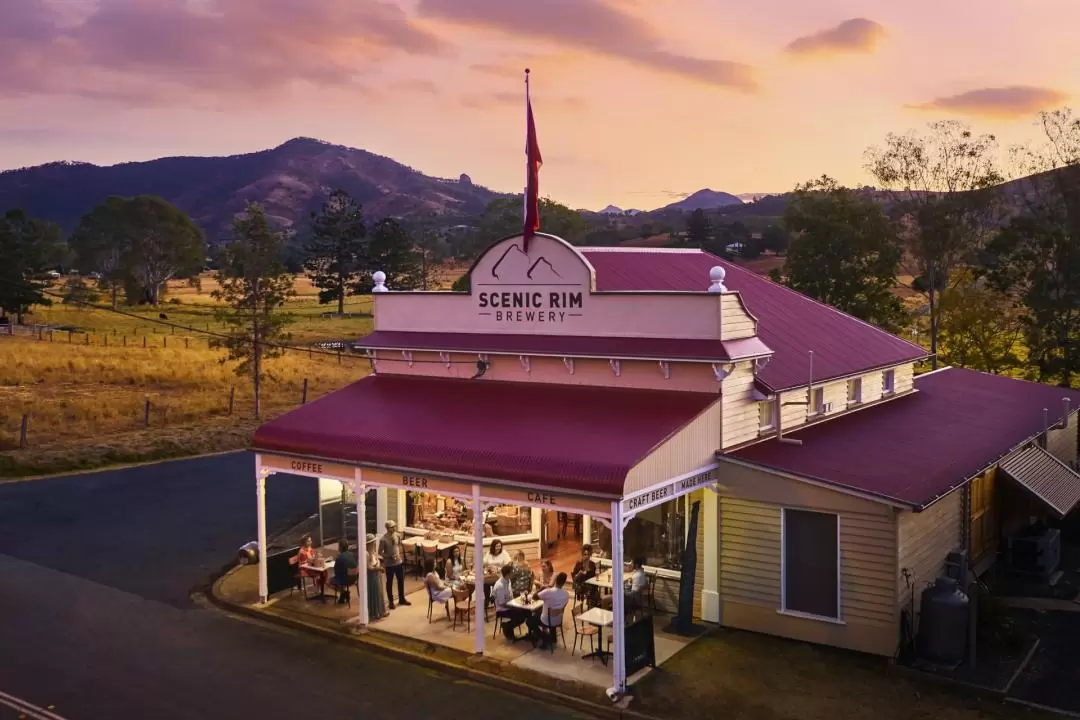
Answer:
[(600, 619), (602, 580), (532, 606), (324, 570)]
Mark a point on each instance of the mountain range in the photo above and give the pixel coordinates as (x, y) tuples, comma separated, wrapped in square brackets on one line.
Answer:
[(291, 180)]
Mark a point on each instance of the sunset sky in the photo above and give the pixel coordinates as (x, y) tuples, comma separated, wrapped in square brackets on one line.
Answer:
[(636, 102)]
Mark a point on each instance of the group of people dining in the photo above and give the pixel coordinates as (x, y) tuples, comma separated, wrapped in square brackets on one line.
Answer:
[(506, 577)]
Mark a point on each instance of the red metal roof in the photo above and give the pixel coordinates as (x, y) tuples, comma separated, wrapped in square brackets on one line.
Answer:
[(565, 345), (916, 448), (788, 322), (583, 439)]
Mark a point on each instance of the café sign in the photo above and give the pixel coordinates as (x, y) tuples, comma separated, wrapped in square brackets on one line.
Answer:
[(314, 468)]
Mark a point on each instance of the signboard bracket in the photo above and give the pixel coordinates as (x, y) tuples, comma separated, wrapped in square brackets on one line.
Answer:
[(569, 363), (616, 366), (445, 357), (407, 354), (525, 362), (665, 368), (721, 370)]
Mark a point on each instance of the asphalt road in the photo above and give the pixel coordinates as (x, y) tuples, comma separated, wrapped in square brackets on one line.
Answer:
[(96, 619)]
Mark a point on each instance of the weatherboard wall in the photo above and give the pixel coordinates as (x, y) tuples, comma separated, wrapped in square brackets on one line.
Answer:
[(925, 539), (735, 322), (751, 502)]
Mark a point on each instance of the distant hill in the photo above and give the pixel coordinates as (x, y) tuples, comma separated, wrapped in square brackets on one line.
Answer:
[(291, 180), (704, 200)]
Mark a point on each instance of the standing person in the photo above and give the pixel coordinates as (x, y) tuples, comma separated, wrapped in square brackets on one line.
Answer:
[(375, 599), (392, 554)]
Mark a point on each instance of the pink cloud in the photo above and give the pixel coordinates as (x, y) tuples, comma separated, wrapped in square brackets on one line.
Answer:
[(489, 101), (858, 35), (161, 50), (591, 25), (1002, 102)]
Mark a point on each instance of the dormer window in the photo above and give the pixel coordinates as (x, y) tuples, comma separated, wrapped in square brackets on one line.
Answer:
[(888, 382), (766, 415), (854, 391)]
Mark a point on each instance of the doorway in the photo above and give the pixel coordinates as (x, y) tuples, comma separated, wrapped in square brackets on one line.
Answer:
[(561, 537)]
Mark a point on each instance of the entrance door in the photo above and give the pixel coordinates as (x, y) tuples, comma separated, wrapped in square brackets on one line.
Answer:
[(550, 524)]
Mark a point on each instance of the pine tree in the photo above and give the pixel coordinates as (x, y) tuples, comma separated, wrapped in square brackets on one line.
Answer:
[(393, 251), (336, 249)]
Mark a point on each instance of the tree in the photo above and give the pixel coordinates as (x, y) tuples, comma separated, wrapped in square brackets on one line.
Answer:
[(28, 249), (940, 184), (335, 250), (254, 284), (504, 217), (139, 243), (1037, 256), (776, 239), (980, 327), (699, 231), (393, 251), (846, 254), (77, 292)]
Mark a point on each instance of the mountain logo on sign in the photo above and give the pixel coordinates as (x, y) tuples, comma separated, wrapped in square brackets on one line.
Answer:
[(514, 261)]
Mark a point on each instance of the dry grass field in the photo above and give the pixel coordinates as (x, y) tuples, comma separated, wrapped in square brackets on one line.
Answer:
[(85, 389)]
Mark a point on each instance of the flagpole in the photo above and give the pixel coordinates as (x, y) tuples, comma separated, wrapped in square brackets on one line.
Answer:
[(525, 192)]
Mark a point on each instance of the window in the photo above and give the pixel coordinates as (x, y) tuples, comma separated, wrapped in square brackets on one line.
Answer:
[(658, 535), (888, 381), (766, 415), (818, 403), (854, 391), (810, 563), (440, 514)]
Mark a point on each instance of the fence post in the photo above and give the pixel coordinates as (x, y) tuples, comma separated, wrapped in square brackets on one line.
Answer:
[(125, 340), (22, 429), (50, 336), (339, 356), (232, 398), (144, 341), (106, 338), (87, 337), (304, 401), (70, 333), (185, 343), (172, 329), (146, 412), (165, 341)]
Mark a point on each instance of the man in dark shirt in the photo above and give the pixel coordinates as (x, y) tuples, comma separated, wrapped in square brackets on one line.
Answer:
[(584, 570), (345, 570)]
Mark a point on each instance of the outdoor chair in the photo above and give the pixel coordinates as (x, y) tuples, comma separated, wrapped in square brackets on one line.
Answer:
[(462, 608), (497, 625), (429, 552), (432, 600), (345, 593), (553, 631), (582, 630), (302, 580)]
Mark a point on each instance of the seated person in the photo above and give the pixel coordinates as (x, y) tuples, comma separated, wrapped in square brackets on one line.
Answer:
[(637, 584), (455, 566), (547, 576), (306, 556), (437, 589), (521, 577), (584, 570), (502, 593), (542, 627), (495, 558), (346, 570)]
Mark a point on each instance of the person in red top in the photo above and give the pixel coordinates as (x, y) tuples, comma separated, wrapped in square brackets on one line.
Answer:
[(305, 556)]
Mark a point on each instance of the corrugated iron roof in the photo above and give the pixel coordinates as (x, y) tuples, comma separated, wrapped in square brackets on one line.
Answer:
[(788, 322), (1053, 482), (916, 448), (583, 439), (566, 345)]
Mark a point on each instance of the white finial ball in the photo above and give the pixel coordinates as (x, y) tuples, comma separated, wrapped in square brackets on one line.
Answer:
[(716, 279), (380, 281)]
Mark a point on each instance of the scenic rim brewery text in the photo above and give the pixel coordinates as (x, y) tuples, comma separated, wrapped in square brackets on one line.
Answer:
[(530, 306)]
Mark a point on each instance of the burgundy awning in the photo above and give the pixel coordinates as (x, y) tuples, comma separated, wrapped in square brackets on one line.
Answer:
[(583, 439)]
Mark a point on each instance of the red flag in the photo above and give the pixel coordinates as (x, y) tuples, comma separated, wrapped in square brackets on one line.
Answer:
[(533, 161)]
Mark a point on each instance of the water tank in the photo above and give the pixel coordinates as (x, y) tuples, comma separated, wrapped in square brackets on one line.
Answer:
[(943, 622)]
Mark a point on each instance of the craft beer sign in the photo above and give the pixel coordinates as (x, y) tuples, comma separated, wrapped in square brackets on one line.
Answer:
[(549, 285)]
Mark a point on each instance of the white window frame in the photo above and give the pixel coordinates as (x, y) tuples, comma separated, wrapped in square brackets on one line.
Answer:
[(855, 383), (769, 407), (839, 619), (817, 409), (888, 381)]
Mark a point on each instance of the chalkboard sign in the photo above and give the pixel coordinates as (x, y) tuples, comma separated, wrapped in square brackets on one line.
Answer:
[(280, 575), (640, 644)]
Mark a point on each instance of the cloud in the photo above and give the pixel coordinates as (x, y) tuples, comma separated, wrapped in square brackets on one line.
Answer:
[(418, 86), (160, 51), (857, 35), (501, 71), (1001, 102), (590, 25)]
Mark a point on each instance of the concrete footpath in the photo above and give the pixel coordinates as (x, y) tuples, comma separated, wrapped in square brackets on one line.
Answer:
[(237, 592)]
